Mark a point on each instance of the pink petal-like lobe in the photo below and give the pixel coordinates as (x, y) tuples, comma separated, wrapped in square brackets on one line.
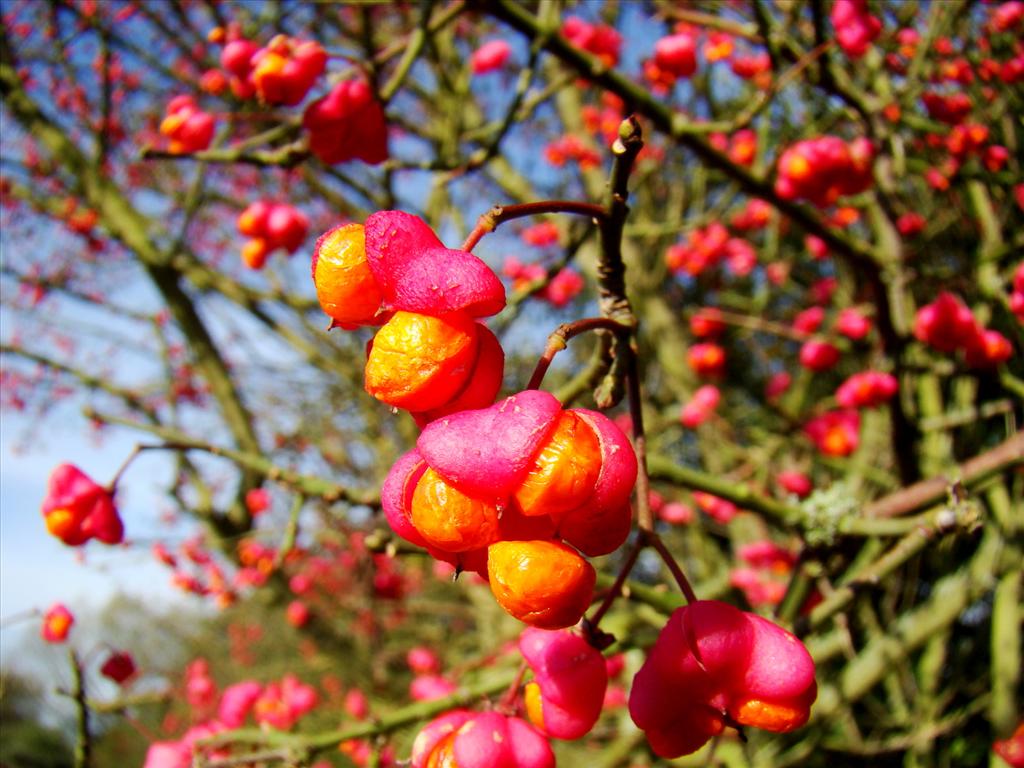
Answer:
[(485, 453)]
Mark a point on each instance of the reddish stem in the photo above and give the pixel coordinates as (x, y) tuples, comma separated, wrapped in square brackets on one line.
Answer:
[(684, 583), (557, 341), (507, 704), (112, 485), (501, 213), (616, 588)]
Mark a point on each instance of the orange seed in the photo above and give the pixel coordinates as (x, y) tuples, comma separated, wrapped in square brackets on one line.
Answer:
[(564, 471), (542, 583), (449, 519), (420, 362)]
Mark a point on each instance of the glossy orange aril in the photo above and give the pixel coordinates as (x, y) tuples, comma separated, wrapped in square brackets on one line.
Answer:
[(420, 362), (542, 583), (345, 286), (449, 519), (564, 471)]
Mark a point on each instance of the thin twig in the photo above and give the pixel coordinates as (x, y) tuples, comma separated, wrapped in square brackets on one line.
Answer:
[(83, 741), (615, 590), (684, 583), (499, 214), (557, 341)]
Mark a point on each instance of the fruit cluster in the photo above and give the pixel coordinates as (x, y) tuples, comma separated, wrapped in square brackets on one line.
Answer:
[(270, 226), (948, 325), (714, 665), (823, 169), (855, 27), (700, 407), (347, 124), (495, 490), (431, 356), (1017, 294), (188, 127), (704, 248), (598, 39), (675, 56), (282, 72), (119, 666), (521, 492), (835, 433), (558, 291), (77, 509)]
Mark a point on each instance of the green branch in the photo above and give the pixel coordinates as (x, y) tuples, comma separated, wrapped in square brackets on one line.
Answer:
[(941, 522), (400, 718), (740, 494), (308, 485)]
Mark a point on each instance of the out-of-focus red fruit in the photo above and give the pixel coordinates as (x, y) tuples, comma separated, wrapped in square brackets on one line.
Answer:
[(866, 389), (855, 27), (825, 168), (1012, 749), (818, 356), (795, 482), (707, 322), (463, 739), (356, 704), (431, 688), (987, 349), (767, 555), (423, 660), (598, 39), (270, 226), (119, 667), (189, 128), (676, 513), (715, 507), (347, 124), (701, 406), (236, 57), (777, 385), (946, 324), (255, 253), (297, 614), (57, 623), (835, 433), (77, 509), (257, 501), (284, 71), (852, 324), (490, 57), (213, 82), (677, 54), (809, 320), (706, 359)]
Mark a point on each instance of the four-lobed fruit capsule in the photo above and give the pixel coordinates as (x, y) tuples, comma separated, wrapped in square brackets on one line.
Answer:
[(509, 478)]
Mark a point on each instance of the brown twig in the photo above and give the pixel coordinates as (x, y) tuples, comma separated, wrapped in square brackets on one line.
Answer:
[(905, 501)]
